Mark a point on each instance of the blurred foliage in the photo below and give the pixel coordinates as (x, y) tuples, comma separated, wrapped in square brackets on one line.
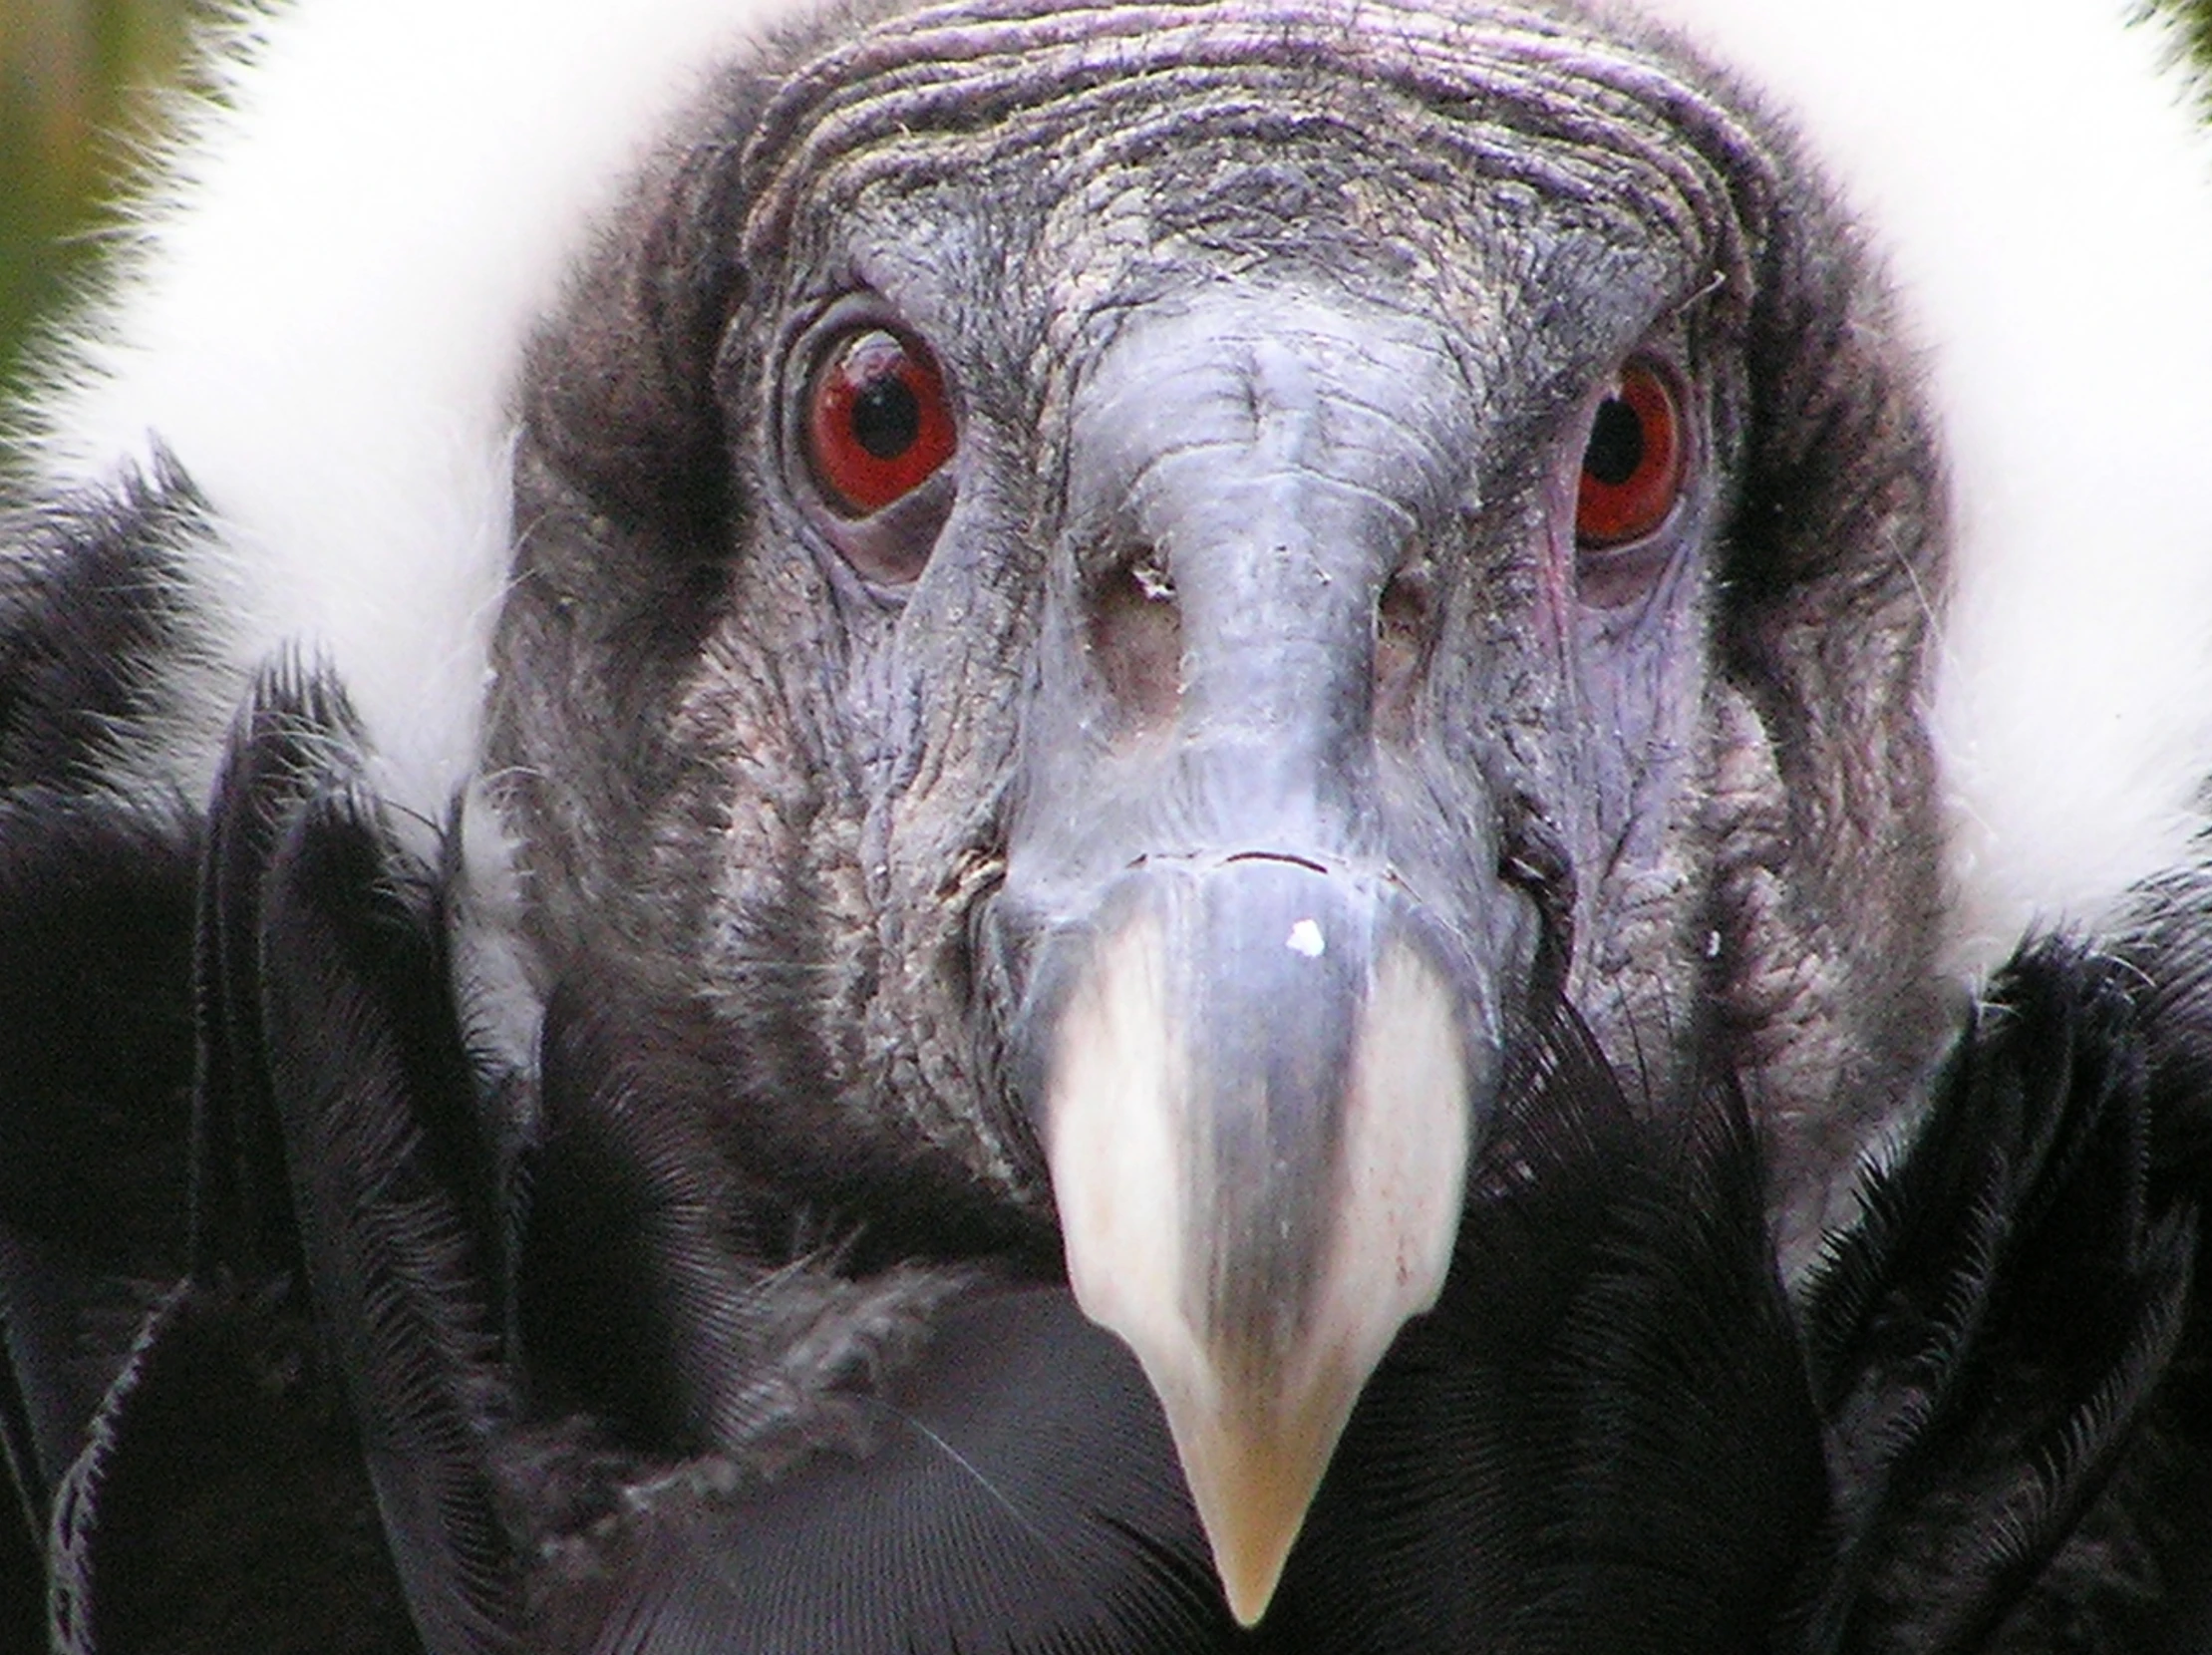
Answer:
[(2197, 14), (79, 84), (78, 80)]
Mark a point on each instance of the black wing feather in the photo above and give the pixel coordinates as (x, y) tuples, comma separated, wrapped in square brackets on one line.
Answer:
[(291, 1458), (375, 1091), (95, 1068), (1993, 1340), (1018, 1494), (221, 1505)]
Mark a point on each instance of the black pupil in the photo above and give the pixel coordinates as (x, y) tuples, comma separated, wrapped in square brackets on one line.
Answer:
[(885, 416), (1616, 444)]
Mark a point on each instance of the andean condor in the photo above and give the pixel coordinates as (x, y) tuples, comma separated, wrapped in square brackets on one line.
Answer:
[(1029, 825)]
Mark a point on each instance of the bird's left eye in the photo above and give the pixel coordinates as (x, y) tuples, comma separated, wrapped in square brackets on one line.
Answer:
[(1632, 471), (878, 422)]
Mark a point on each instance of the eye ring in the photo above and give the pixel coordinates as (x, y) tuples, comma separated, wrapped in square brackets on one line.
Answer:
[(1635, 463), (877, 422)]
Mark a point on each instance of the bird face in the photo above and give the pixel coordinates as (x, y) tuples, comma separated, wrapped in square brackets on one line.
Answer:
[(1103, 615)]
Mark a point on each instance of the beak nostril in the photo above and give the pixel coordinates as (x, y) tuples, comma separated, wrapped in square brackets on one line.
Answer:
[(1402, 625), (1137, 640)]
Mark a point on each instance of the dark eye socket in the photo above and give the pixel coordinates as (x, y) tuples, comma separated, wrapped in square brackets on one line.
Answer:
[(878, 423), (1634, 466)]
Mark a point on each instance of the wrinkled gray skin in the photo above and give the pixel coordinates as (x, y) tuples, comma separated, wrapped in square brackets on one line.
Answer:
[(1274, 331)]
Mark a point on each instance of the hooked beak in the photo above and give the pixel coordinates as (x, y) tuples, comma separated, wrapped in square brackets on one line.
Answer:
[(1258, 1112), (1257, 1064)]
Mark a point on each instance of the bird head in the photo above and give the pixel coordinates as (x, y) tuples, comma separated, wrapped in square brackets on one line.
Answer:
[(1109, 603)]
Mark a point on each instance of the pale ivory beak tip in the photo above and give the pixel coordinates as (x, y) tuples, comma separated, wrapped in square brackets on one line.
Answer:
[(1253, 1486), (1251, 1566)]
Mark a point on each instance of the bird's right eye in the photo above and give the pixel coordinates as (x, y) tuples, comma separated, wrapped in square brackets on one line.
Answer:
[(878, 422), (1632, 470)]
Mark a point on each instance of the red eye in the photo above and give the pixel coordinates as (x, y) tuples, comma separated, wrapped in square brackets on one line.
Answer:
[(877, 422), (1632, 469)]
